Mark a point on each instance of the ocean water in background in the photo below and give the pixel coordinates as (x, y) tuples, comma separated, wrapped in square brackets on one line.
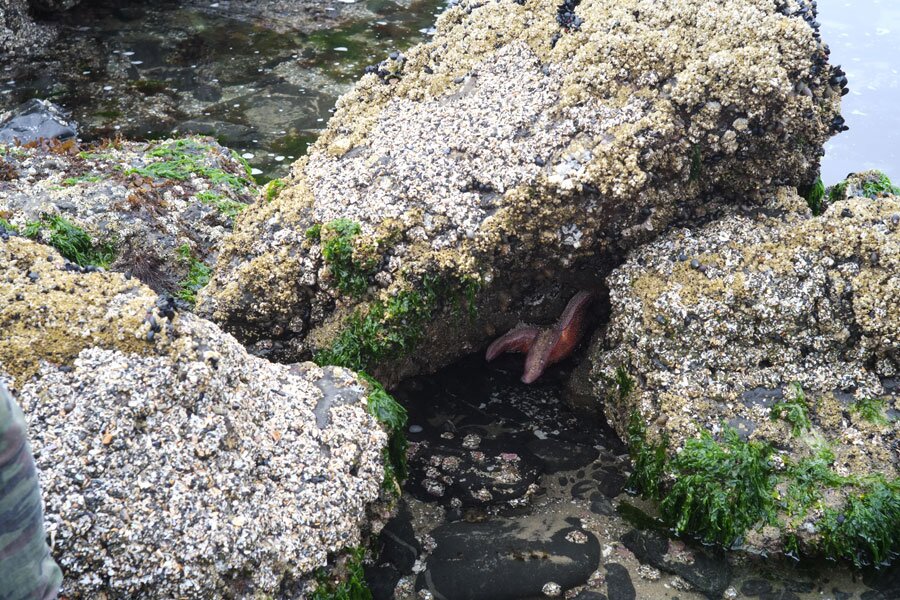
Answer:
[(864, 37)]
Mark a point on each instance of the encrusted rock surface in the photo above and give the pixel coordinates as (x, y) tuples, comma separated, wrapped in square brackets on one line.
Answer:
[(150, 209), (718, 326), (18, 32), (519, 158), (171, 462)]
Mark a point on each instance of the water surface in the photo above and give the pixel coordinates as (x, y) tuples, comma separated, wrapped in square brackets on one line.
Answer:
[(864, 37)]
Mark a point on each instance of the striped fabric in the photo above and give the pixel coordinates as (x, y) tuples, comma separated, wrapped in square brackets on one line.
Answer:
[(27, 572)]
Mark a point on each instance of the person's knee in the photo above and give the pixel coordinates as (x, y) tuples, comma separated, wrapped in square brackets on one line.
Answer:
[(27, 571)]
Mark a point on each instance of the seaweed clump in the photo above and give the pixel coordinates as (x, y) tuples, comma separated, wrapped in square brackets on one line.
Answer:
[(72, 242)]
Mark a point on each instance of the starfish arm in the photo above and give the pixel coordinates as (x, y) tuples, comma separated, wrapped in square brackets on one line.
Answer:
[(516, 340), (539, 357), (573, 315), (570, 326), (555, 344)]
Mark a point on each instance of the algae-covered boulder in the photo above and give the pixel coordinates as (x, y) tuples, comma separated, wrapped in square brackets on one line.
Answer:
[(156, 210), (867, 184), (753, 365), (172, 463), (485, 176)]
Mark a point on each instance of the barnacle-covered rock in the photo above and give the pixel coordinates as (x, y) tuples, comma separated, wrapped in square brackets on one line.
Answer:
[(775, 331), (172, 463), (156, 210), (511, 160), (19, 34)]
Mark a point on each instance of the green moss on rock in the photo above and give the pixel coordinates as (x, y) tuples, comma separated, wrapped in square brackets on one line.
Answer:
[(197, 277), (72, 241), (351, 259), (347, 582), (183, 158)]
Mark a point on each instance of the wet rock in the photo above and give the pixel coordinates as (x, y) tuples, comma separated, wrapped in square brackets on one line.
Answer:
[(787, 336), (381, 580), (560, 455), (35, 120), (885, 582), (397, 542), (508, 559), (589, 595), (441, 169), (169, 468), (157, 210), (707, 573), (53, 5), (618, 583), (494, 473)]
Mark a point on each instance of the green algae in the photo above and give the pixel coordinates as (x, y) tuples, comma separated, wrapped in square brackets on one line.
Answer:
[(393, 416), (350, 586), (226, 206), (866, 530), (197, 277), (184, 158), (6, 225), (349, 265), (70, 181), (815, 197), (879, 186), (721, 489), (648, 460), (273, 188), (72, 242), (871, 410), (717, 490), (390, 330), (793, 409)]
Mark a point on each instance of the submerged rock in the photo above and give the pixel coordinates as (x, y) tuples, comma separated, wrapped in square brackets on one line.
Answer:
[(509, 559), (35, 120), (760, 353), (173, 464), (486, 176), (157, 210)]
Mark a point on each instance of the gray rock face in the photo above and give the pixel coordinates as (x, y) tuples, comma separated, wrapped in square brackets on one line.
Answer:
[(520, 159), (156, 210), (784, 327), (35, 120), (173, 464)]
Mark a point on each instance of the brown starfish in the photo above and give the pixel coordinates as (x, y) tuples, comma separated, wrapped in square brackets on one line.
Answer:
[(545, 347)]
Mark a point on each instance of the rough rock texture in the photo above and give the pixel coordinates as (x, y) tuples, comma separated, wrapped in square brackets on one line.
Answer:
[(717, 327), (151, 209), (18, 33), (519, 158), (172, 463)]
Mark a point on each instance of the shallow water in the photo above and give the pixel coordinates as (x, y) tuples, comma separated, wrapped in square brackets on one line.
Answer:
[(504, 475), (864, 37), (262, 89)]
